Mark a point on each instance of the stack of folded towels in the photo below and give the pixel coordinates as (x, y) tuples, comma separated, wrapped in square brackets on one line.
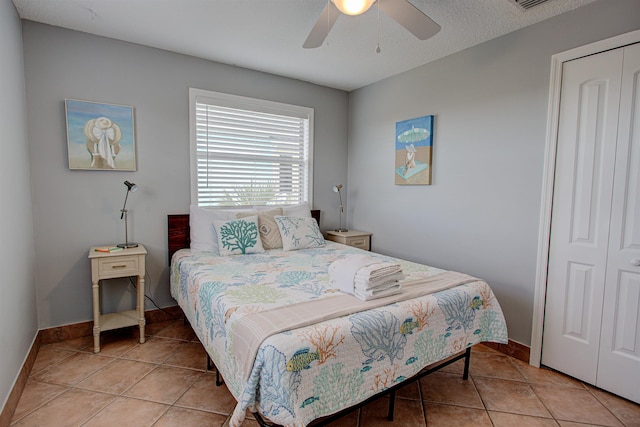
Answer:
[(366, 277)]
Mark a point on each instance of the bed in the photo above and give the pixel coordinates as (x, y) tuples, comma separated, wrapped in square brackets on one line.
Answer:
[(311, 364)]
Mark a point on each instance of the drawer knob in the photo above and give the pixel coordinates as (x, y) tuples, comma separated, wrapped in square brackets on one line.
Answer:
[(119, 266)]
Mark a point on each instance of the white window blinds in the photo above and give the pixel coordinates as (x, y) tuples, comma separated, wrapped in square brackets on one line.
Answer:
[(249, 152)]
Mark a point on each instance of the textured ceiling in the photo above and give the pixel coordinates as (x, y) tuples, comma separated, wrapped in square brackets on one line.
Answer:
[(267, 35)]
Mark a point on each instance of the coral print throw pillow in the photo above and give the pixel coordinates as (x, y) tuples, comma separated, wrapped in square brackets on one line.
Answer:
[(299, 233), (238, 236)]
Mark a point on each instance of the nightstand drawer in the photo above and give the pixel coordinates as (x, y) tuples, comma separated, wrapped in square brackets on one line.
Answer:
[(361, 242), (355, 238), (120, 266)]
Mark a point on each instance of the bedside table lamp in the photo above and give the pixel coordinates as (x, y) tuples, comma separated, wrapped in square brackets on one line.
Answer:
[(131, 188), (337, 189)]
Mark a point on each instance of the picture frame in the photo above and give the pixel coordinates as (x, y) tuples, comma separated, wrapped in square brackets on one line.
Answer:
[(100, 136), (414, 149)]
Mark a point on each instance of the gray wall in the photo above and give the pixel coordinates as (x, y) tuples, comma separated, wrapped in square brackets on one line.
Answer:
[(481, 214), (74, 210), (17, 286)]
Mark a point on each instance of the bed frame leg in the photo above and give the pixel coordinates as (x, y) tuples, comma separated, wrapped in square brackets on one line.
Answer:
[(211, 366), (467, 359), (392, 405)]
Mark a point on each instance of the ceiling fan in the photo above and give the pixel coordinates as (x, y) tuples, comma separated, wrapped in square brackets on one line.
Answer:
[(401, 11)]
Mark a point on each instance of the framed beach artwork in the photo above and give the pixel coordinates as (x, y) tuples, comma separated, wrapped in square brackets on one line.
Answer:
[(414, 144), (100, 136)]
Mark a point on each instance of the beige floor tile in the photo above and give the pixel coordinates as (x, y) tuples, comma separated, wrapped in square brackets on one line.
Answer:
[(206, 396), (502, 419), (572, 424), (154, 350), (182, 417), (164, 384), (48, 356), (455, 416), (545, 375), (447, 388), (36, 394), (75, 344), (510, 396), (128, 412), (115, 346), (117, 377), (494, 365), (189, 355), (70, 409), (625, 410), (73, 369), (177, 330), (408, 413), (455, 368), (409, 391), (569, 404), (155, 328)]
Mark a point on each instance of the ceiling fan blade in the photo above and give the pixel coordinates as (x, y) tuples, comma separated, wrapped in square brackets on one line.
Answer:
[(410, 17), (323, 25)]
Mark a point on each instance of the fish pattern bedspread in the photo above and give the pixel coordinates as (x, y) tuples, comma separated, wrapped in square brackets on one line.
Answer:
[(312, 371)]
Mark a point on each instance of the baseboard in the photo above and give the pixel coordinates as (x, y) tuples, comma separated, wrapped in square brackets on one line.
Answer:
[(63, 333), (16, 392), (513, 349)]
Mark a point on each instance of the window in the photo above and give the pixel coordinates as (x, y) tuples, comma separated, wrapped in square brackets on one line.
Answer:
[(249, 152)]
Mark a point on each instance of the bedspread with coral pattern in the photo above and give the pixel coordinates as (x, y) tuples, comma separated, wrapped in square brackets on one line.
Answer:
[(317, 370)]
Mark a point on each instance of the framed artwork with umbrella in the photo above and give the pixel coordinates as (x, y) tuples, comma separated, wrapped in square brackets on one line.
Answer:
[(414, 145)]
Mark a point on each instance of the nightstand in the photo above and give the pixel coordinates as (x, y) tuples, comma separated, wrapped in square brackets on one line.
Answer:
[(111, 265), (355, 238)]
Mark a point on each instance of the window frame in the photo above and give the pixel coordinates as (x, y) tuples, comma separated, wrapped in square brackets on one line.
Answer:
[(250, 104)]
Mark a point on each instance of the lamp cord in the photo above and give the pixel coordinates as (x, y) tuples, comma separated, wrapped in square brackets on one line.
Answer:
[(328, 20), (135, 286), (378, 28)]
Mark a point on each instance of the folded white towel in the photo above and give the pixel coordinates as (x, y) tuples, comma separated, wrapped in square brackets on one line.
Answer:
[(343, 271), (378, 293), (361, 283), (365, 277), (377, 270)]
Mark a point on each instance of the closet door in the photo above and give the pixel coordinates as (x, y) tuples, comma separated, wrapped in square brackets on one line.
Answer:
[(583, 192), (619, 357)]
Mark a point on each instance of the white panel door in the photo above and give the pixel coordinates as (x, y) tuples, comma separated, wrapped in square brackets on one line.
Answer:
[(619, 357), (583, 190)]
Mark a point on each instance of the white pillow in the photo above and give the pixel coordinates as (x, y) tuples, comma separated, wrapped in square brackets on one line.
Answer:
[(302, 210), (299, 233), (238, 236), (202, 232)]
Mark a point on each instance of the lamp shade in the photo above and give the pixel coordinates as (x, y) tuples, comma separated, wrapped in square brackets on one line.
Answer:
[(353, 7), (131, 186)]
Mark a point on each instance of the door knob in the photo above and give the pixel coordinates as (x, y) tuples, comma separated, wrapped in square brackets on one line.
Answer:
[(635, 262)]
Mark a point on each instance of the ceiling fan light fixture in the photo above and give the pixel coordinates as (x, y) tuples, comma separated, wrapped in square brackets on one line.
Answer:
[(353, 7)]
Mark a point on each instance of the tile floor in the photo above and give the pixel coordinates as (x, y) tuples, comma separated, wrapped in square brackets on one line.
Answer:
[(164, 383)]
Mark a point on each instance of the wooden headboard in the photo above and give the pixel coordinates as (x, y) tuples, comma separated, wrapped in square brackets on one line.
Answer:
[(178, 231)]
